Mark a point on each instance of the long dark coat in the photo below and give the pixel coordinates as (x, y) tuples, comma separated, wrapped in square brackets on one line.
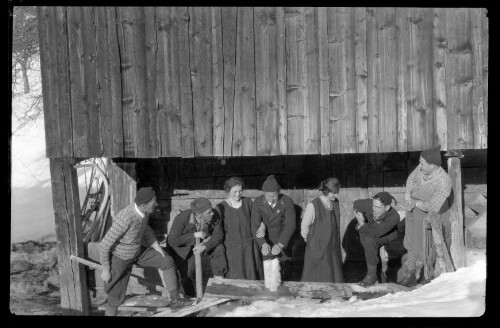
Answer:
[(279, 222), (323, 257), (242, 251)]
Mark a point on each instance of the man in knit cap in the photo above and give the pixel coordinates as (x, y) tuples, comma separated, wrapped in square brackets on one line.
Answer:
[(377, 227), (197, 222), (130, 240), (427, 190), (278, 214)]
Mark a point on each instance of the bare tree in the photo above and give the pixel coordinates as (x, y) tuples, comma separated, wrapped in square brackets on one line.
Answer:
[(24, 42)]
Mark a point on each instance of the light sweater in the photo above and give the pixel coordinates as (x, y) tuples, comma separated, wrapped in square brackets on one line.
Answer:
[(430, 191)]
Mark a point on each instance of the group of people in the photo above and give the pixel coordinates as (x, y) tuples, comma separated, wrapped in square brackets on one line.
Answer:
[(240, 237)]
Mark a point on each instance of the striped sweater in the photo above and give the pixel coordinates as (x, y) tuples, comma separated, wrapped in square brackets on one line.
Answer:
[(128, 231), (431, 192)]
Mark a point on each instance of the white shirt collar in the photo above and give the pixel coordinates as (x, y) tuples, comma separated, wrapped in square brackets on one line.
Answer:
[(142, 215)]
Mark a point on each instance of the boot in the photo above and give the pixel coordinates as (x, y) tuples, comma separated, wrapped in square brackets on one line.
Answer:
[(370, 278), (177, 302), (410, 279), (110, 311)]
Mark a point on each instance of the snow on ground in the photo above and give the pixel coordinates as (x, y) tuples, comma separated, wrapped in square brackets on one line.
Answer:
[(454, 294)]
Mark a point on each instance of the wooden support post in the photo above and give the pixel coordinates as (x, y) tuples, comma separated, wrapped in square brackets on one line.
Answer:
[(75, 298), (197, 262), (123, 185), (457, 248)]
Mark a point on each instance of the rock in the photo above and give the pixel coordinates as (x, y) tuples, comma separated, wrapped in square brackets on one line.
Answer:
[(53, 279), (18, 266)]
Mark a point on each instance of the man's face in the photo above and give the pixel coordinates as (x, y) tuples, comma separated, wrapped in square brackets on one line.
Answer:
[(425, 167), (149, 207), (379, 209), (205, 216), (271, 197)]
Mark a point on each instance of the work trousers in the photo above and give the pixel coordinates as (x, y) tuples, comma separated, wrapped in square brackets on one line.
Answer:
[(116, 288), (371, 246)]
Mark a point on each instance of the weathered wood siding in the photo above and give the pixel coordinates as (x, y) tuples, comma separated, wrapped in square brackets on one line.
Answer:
[(148, 82)]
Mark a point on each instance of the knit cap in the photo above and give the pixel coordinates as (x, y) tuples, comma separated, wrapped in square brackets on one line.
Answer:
[(270, 185), (363, 205), (200, 205), (432, 155), (144, 195), (385, 198)]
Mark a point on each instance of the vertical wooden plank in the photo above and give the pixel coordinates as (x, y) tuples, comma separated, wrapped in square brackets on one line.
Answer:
[(83, 73), (244, 128), (122, 184), (168, 79), (186, 92), (457, 248), (281, 56), (402, 48), (201, 79), (485, 46), (109, 77), (478, 116), (420, 114), (312, 113), (361, 70), (151, 101), (324, 94), (373, 68), (266, 81), (459, 78), (217, 81), (387, 119), (295, 84), (75, 298), (440, 44), (229, 54), (132, 51), (48, 67)]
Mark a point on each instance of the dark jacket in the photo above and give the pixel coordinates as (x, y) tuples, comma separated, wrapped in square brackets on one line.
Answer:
[(181, 236), (279, 221), (384, 226)]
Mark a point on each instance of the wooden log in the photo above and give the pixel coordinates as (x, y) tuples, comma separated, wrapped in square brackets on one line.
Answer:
[(109, 91), (229, 15), (457, 248), (198, 268), (295, 83), (324, 81), (217, 81), (361, 80), (75, 298), (459, 78), (256, 290), (186, 91), (169, 84), (204, 304), (244, 131), (123, 185), (402, 48), (201, 78), (266, 81), (373, 69), (312, 118), (440, 43), (387, 119), (478, 114)]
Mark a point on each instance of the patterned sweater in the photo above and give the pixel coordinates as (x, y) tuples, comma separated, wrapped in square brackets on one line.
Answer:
[(430, 192), (128, 231)]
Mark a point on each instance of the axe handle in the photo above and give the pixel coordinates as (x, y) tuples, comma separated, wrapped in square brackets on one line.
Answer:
[(197, 262)]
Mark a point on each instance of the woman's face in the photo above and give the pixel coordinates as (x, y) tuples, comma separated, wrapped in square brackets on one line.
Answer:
[(235, 193), (331, 196)]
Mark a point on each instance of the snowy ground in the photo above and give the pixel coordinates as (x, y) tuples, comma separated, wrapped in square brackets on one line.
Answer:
[(455, 294)]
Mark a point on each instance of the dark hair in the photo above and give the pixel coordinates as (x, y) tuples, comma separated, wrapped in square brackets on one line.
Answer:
[(231, 182), (330, 185), (385, 198)]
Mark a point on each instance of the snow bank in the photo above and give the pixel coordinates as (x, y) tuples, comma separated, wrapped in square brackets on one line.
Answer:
[(455, 294)]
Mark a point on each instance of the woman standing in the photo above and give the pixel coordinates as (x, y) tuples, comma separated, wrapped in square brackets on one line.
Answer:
[(320, 228), (242, 252)]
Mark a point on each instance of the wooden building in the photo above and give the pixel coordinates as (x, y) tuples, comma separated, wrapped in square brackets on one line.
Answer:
[(182, 98)]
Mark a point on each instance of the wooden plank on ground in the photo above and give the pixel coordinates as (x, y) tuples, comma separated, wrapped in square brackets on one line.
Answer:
[(204, 304), (229, 15), (256, 290)]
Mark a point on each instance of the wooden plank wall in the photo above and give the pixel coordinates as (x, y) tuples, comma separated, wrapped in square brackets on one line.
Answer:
[(148, 82)]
